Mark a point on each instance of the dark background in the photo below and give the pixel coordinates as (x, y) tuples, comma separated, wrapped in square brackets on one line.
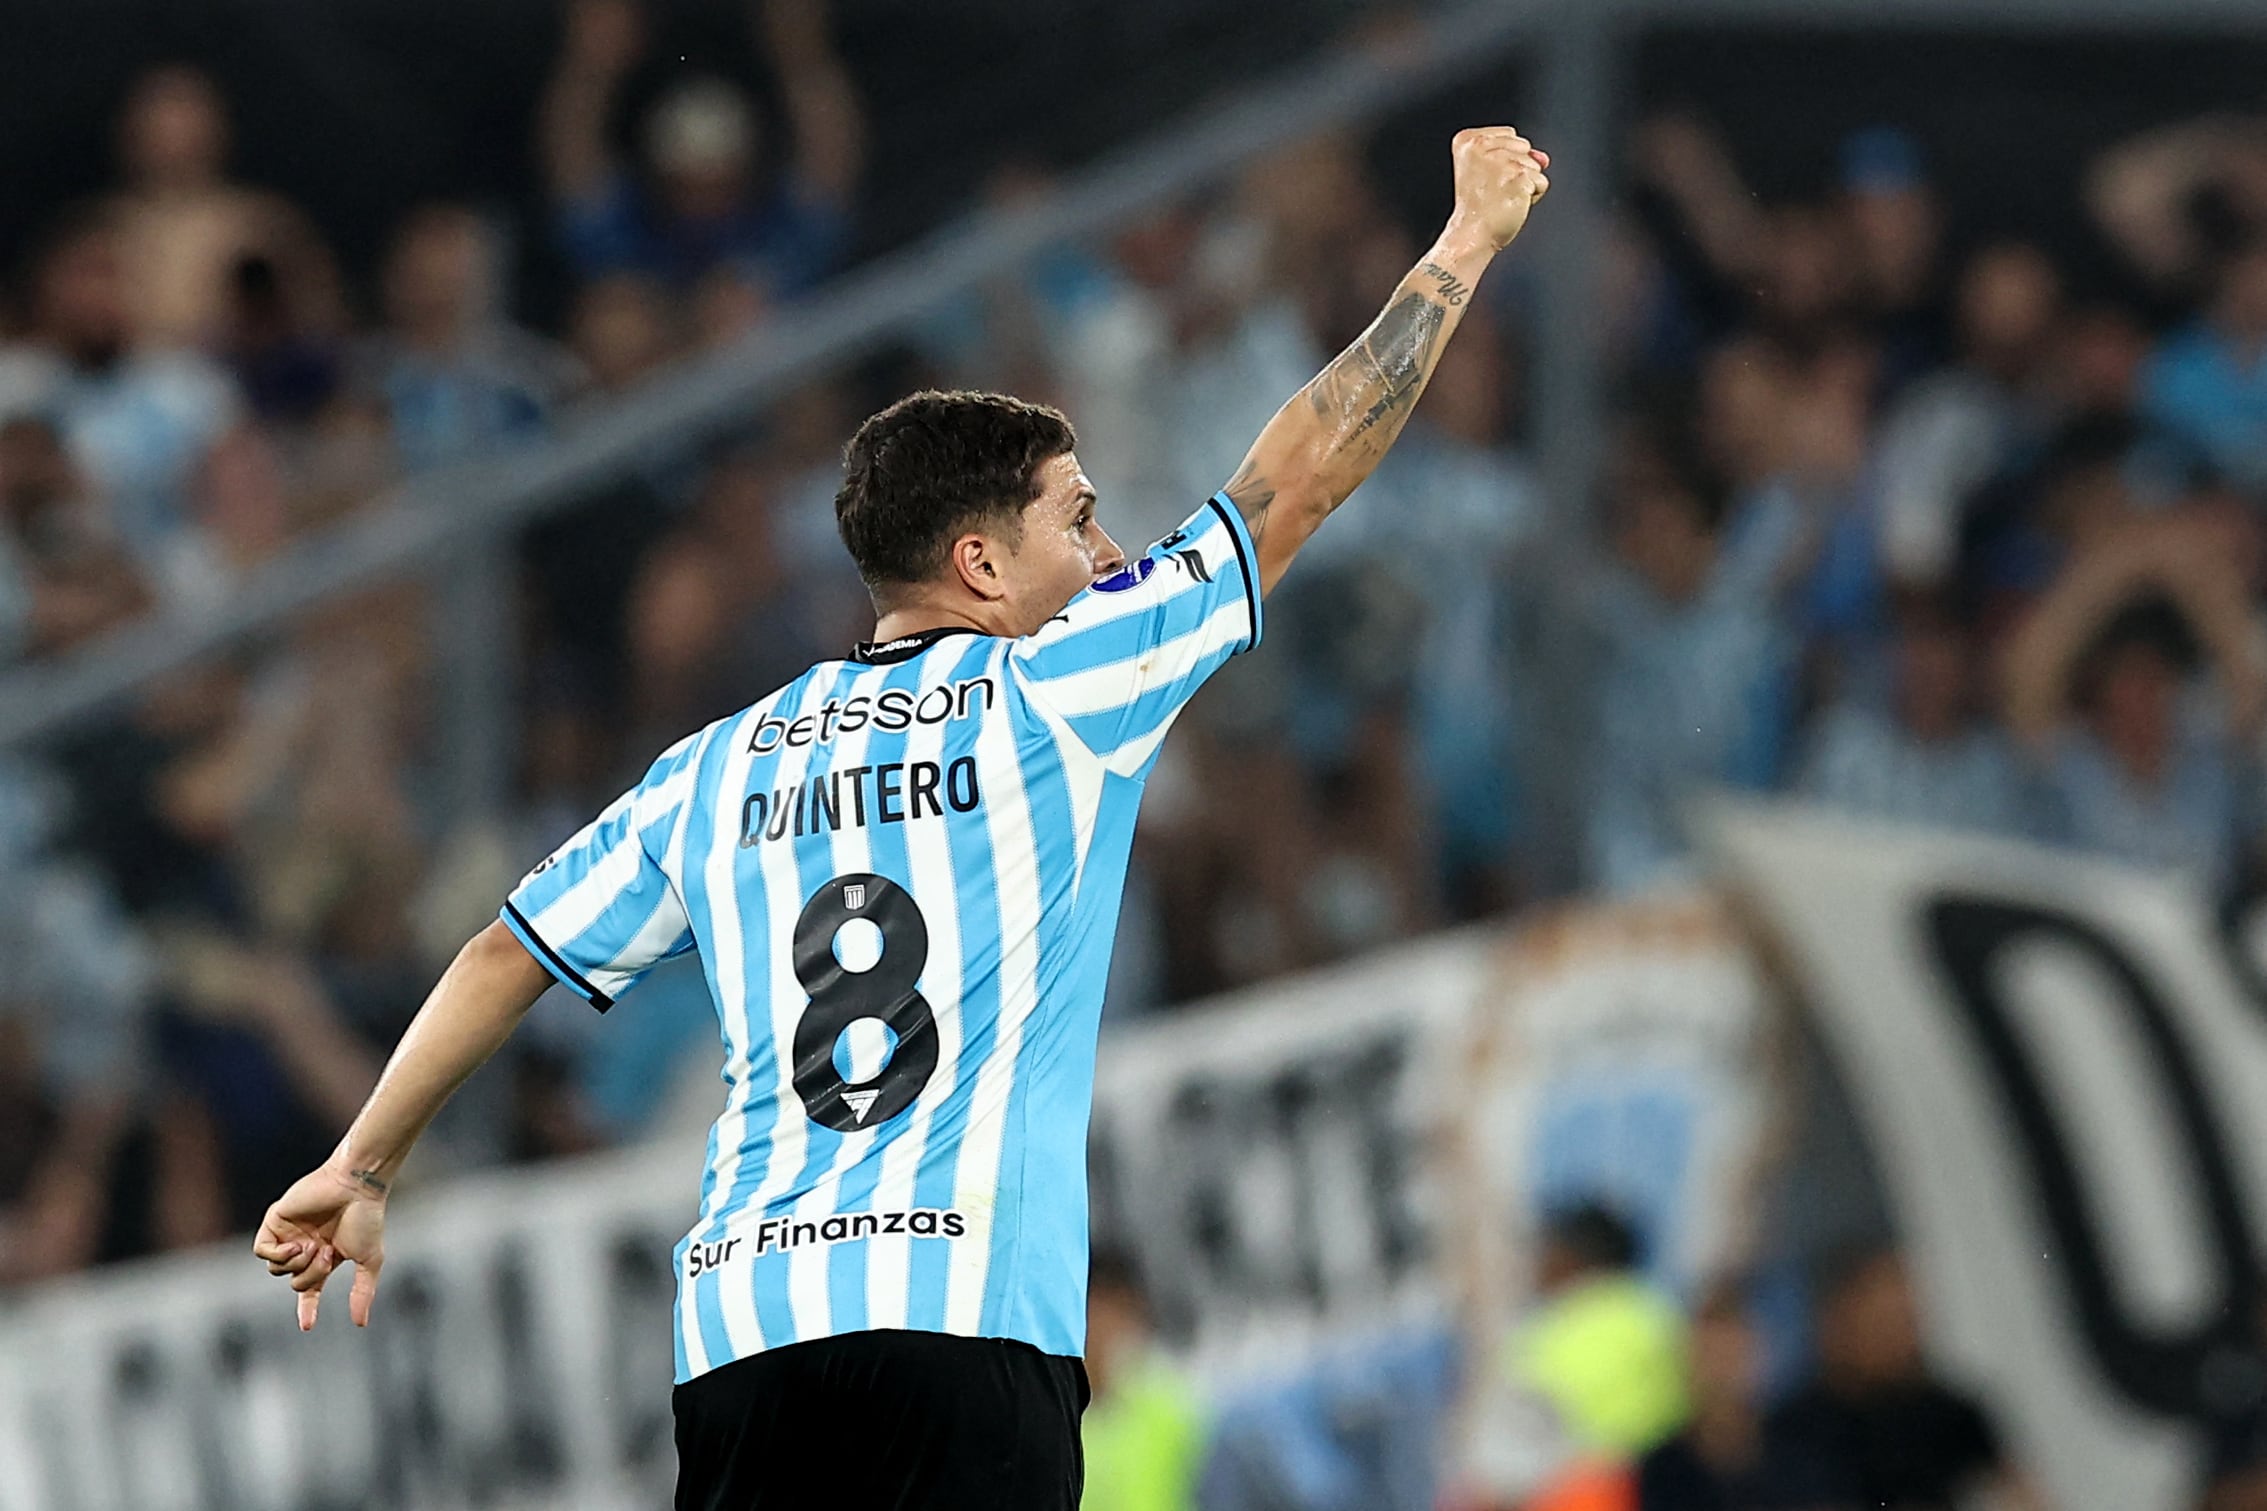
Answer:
[(358, 109)]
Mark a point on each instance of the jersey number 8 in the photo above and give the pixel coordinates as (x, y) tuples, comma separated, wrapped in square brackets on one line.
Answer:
[(841, 996)]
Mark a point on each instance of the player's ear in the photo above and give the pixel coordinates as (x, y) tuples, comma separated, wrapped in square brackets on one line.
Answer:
[(981, 567)]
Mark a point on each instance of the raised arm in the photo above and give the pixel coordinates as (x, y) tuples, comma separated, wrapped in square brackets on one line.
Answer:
[(825, 118), (2140, 190), (602, 43), (2185, 561), (1332, 434), (337, 1213)]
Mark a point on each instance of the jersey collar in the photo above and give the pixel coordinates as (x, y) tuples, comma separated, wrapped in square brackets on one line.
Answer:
[(905, 647)]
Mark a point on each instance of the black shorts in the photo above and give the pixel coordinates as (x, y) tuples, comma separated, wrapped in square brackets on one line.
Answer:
[(876, 1421)]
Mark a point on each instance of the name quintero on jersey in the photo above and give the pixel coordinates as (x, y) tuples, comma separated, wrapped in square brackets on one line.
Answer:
[(782, 1233), (857, 796)]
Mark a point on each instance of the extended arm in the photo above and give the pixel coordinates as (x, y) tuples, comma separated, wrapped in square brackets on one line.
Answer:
[(473, 1009), (338, 1212), (1332, 434)]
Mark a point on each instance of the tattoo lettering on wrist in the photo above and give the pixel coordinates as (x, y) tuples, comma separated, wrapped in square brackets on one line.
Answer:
[(1453, 290), (368, 1180)]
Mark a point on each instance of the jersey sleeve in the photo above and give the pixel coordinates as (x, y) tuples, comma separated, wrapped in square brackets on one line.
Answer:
[(600, 913), (1124, 658)]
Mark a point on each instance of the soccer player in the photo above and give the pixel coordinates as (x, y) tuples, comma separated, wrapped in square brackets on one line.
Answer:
[(901, 873)]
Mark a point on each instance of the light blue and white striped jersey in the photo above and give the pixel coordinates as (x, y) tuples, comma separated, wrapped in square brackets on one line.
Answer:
[(902, 874)]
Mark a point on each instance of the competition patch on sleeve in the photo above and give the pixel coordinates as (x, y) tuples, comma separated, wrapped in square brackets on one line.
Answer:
[(1135, 574)]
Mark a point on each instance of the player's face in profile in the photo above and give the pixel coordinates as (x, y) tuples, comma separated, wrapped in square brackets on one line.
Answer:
[(1064, 547)]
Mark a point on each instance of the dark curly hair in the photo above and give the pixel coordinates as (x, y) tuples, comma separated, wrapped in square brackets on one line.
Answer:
[(931, 466)]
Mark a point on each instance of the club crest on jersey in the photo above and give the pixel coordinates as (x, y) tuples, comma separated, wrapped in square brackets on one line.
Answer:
[(854, 896), (1132, 577)]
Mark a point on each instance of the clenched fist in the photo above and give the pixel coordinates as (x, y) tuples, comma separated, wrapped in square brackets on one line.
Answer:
[(1499, 178)]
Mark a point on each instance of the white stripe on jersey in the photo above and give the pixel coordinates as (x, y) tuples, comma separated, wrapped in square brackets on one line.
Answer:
[(1015, 870)]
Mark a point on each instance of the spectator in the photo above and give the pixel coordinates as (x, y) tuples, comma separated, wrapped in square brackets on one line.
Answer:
[(290, 364), (713, 201), (1707, 231), (2172, 199), (2138, 764), (1716, 1463), (74, 1047), (1697, 676), (140, 423), (1144, 1431), (1876, 1428), (621, 332), (62, 579), (1896, 228), (2206, 385), (713, 621), (186, 232), (269, 1064), (1605, 1348), (451, 372), (1449, 514), (1953, 430), (1927, 754)]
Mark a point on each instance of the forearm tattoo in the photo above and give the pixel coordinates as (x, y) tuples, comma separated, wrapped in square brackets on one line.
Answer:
[(1363, 398), (1377, 379), (368, 1180)]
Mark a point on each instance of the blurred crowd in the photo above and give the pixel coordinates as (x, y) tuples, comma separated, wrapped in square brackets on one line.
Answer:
[(1929, 529)]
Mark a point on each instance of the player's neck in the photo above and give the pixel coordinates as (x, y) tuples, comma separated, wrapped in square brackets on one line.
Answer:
[(920, 618)]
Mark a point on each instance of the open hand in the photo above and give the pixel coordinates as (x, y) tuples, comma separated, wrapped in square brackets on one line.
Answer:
[(1500, 176), (327, 1218)]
